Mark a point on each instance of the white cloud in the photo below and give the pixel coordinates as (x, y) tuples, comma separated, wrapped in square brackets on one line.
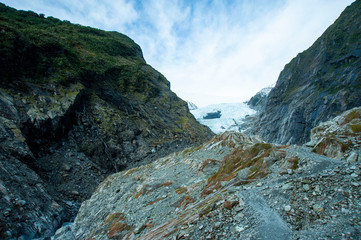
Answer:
[(230, 59), (211, 51), (105, 14)]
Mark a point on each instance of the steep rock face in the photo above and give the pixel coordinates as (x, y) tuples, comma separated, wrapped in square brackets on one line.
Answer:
[(77, 104), (258, 101), (26, 206), (318, 84), (232, 187)]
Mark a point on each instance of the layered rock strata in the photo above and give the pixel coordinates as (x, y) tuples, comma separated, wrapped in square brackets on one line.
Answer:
[(76, 104), (232, 187), (317, 85)]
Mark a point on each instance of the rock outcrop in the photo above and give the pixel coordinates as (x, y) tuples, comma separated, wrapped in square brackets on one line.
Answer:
[(258, 101), (334, 138), (232, 187), (76, 104), (213, 115), (318, 84)]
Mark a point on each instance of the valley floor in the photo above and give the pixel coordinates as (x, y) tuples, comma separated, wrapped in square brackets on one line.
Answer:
[(235, 187)]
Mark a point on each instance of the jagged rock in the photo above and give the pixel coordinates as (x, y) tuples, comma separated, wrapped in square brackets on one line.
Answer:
[(317, 84), (354, 156), (339, 136), (76, 104), (259, 100), (64, 233), (27, 208), (244, 197), (176, 184), (213, 115)]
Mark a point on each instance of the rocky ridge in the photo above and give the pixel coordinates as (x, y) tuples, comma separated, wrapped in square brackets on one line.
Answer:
[(335, 138), (76, 104), (317, 84), (258, 101), (232, 187)]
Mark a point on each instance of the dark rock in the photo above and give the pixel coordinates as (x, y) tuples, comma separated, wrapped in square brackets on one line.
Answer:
[(30, 210), (258, 101), (69, 118), (244, 198), (317, 84), (213, 115)]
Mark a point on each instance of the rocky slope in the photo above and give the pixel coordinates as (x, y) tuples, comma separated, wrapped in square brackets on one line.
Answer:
[(76, 104), (258, 101), (334, 138), (317, 85), (232, 187)]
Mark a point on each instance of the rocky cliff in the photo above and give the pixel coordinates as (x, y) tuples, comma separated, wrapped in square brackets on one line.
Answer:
[(76, 104), (258, 101), (318, 84), (233, 187)]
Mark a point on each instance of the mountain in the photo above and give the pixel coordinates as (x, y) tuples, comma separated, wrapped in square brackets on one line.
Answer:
[(317, 84), (233, 187), (258, 101), (243, 187), (76, 104), (224, 116)]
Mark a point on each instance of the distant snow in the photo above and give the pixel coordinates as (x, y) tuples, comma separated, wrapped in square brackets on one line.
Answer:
[(232, 115)]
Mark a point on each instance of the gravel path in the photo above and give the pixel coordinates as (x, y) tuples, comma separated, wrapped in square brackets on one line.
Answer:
[(318, 163), (270, 224)]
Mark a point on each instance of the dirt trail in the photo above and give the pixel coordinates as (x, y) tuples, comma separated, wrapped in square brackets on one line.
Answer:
[(270, 223)]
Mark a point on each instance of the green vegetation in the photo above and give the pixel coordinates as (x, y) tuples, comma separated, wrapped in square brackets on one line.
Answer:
[(351, 116), (293, 162), (239, 158), (181, 190), (337, 49), (330, 141), (117, 225), (48, 50), (356, 128)]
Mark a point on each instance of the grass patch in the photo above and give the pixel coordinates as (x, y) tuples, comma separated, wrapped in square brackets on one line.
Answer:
[(114, 216), (327, 142), (252, 158), (147, 188), (181, 190), (356, 128), (48, 50), (116, 229), (351, 116)]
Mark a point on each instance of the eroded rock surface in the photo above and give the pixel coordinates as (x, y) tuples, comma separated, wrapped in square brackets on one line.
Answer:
[(339, 137), (76, 104), (317, 85), (233, 187)]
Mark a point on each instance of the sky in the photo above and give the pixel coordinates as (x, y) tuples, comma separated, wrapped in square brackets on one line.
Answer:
[(211, 51)]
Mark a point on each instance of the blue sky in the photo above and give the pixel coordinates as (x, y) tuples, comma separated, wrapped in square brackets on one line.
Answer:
[(211, 51)]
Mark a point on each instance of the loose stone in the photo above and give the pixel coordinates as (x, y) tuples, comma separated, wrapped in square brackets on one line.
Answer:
[(287, 208)]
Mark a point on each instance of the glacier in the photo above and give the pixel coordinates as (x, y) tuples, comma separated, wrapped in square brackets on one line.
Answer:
[(232, 116)]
